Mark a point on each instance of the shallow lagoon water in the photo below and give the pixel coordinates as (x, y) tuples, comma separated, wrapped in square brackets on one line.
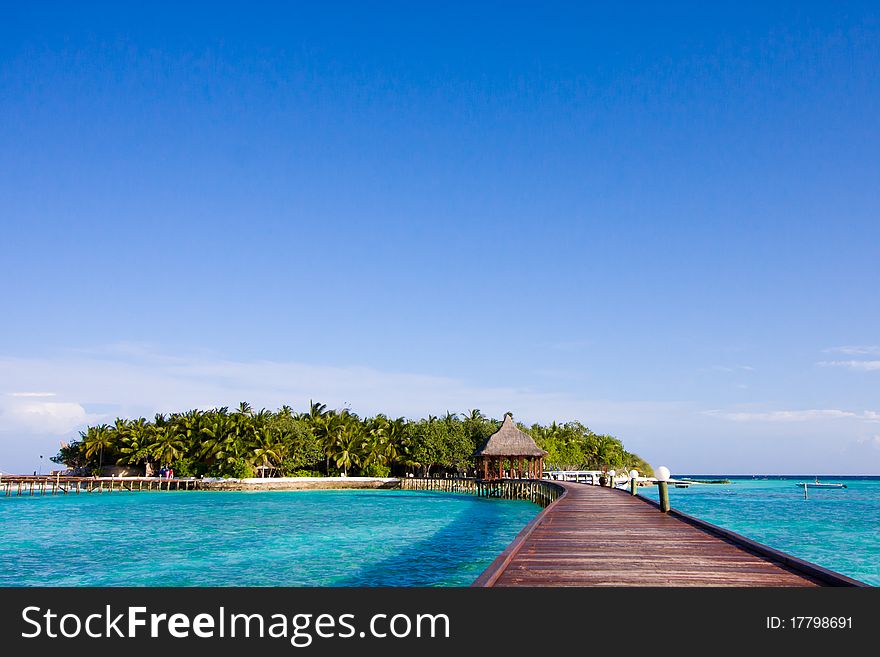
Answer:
[(838, 529), (301, 538)]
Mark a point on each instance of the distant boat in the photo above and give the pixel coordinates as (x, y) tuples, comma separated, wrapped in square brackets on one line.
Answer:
[(818, 484)]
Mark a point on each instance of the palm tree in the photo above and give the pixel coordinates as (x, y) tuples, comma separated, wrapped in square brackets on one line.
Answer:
[(347, 447), (317, 410), (169, 447), (242, 432), (263, 448), (327, 427), (218, 432), (607, 451), (136, 444), (187, 426), (396, 448), (96, 440), (282, 446), (375, 442), (119, 433)]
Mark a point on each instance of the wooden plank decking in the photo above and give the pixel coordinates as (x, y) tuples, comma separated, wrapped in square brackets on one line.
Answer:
[(594, 536)]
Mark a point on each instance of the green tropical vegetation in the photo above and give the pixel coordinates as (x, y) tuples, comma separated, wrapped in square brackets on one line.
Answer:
[(244, 442)]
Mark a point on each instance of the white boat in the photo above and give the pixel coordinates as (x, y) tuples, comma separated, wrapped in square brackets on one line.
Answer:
[(818, 484)]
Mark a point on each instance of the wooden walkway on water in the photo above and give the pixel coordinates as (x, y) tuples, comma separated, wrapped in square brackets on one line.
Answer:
[(596, 536), (19, 485)]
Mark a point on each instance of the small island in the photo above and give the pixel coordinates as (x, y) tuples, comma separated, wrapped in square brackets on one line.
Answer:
[(321, 442)]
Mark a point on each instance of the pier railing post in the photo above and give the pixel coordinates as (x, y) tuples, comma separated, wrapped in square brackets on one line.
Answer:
[(664, 496), (662, 475)]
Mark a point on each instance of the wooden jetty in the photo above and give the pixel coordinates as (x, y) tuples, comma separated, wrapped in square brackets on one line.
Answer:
[(60, 484), (533, 490), (596, 536)]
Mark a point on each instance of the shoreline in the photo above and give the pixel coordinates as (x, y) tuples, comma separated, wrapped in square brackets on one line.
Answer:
[(28, 485), (300, 483)]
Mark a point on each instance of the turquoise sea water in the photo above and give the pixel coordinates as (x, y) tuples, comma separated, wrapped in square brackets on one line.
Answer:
[(838, 529), (314, 538)]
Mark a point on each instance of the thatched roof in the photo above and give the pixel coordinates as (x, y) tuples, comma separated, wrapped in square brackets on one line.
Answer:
[(509, 441)]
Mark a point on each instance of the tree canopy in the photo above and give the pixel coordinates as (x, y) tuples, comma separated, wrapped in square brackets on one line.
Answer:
[(320, 441)]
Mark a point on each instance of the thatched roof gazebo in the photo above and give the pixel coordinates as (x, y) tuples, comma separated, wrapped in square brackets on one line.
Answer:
[(511, 453)]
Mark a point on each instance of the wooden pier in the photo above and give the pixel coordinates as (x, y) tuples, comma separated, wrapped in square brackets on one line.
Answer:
[(19, 485), (542, 493), (596, 536)]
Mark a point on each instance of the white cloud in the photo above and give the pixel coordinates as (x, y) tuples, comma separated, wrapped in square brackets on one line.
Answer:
[(730, 369), (862, 365), (863, 350), (137, 382), (873, 441), (43, 417), (32, 394), (807, 415)]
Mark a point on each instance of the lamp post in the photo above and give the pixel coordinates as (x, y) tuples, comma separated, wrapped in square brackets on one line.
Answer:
[(633, 481), (611, 474), (662, 476)]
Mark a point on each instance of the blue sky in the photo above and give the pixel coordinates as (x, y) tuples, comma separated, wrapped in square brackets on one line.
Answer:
[(659, 220)]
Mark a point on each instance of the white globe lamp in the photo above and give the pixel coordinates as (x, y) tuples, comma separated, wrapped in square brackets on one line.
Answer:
[(633, 481)]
